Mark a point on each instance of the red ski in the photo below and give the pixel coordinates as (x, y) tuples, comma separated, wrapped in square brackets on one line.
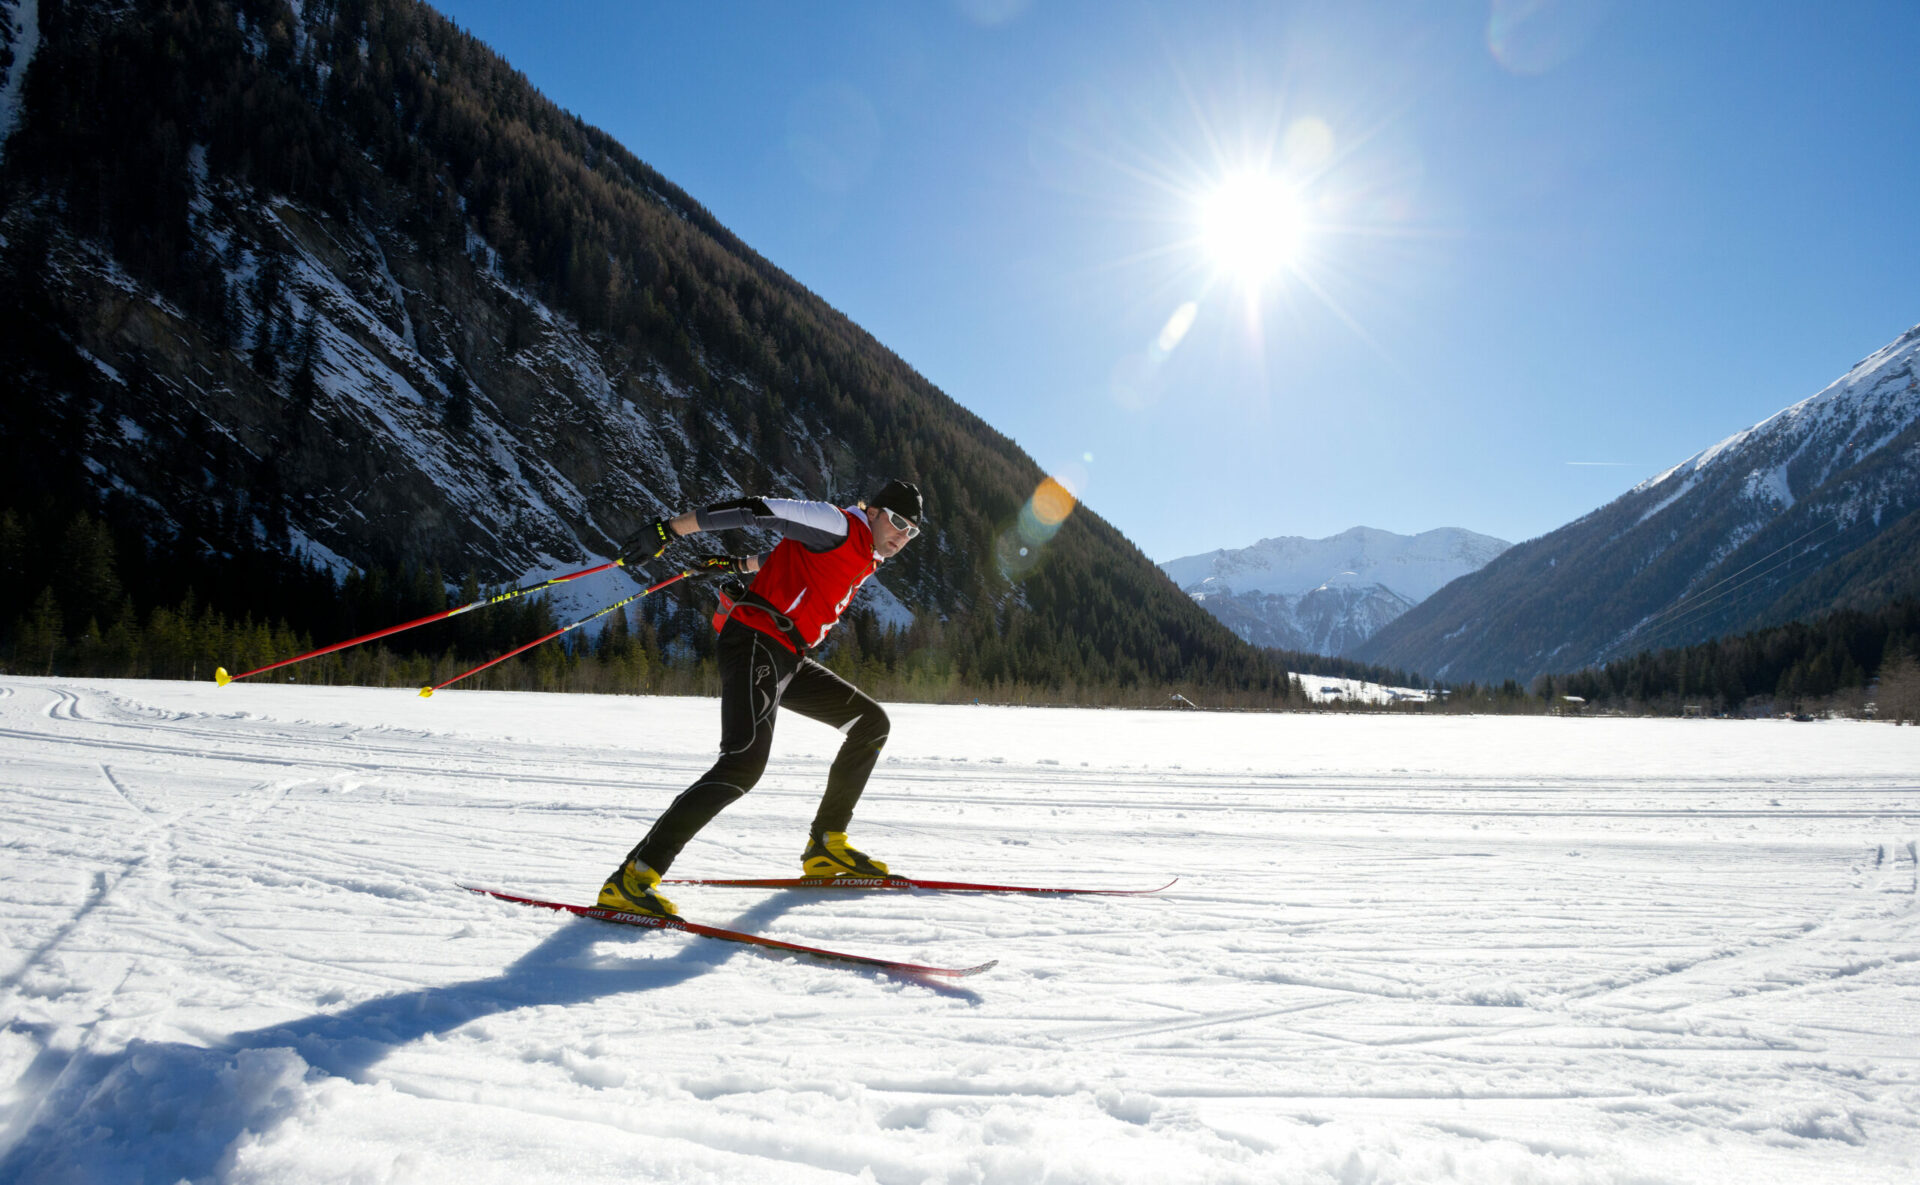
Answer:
[(901, 882), (890, 966)]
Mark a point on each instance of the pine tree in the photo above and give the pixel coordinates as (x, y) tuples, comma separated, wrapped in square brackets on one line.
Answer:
[(38, 639), (89, 584)]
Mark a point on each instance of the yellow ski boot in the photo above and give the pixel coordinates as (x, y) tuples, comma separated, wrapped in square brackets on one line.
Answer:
[(829, 854), (633, 888)]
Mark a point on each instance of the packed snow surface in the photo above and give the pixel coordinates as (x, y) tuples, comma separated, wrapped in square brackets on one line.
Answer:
[(1401, 948)]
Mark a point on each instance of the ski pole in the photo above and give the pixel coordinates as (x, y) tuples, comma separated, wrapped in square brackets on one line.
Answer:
[(221, 677), (427, 691)]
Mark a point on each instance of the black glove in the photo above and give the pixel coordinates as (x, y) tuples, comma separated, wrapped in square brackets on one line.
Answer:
[(648, 542), (718, 565)]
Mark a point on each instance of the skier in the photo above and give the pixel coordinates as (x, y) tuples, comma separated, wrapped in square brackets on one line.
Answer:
[(799, 590)]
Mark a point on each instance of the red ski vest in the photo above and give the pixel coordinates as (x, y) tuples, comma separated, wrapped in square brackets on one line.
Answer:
[(812, 588)]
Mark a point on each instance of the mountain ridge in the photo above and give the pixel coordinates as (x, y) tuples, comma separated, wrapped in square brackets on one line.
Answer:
[(1790, 516), (1326, 596)]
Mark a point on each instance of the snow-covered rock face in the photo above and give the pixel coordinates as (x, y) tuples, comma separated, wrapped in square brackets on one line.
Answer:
[(376, 400), (1326, 596), (451, 417), (1795, 453), (1814, 508), (19, 37)]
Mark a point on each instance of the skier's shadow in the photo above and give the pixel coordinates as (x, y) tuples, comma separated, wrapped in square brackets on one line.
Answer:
[(168, 1110), (564, 968)]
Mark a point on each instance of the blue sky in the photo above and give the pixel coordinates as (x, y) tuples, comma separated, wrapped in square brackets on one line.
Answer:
[(1516, 255)]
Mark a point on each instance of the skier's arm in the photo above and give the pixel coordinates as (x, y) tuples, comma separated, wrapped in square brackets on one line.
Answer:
[(689, 524), (817, 526)]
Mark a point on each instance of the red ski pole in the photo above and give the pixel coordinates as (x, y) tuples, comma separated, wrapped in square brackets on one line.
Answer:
[(221, 677), (427, 691)]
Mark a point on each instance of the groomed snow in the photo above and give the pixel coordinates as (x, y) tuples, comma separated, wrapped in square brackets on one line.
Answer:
[(1402, 949)]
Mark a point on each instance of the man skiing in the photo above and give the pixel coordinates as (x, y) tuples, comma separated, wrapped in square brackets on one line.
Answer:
[(799, 591)]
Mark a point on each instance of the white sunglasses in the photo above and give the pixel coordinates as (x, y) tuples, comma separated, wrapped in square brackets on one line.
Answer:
[(901, 523)]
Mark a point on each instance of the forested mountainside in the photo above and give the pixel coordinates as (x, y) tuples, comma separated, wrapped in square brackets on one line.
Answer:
[(293, 292), (1812, 510)]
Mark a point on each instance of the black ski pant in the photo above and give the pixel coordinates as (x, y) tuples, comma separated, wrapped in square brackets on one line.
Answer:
[(758, 676)]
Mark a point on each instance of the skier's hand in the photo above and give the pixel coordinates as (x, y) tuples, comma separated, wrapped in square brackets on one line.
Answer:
[(718, 565), (648, 542)]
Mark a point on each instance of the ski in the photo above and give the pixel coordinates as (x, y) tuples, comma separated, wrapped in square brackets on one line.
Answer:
[(891, 966), (901, 882)]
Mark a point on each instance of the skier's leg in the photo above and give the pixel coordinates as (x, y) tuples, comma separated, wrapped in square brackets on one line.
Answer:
[(819, 694), (753, 672)]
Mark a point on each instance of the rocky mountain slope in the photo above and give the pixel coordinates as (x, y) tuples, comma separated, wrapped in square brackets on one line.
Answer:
[(1814, 508), (332, 280), (1326, 596)]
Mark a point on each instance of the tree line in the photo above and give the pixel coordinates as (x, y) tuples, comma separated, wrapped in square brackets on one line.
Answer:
[(1836, 663), (1850, 662), (95, 614), (89, 618)]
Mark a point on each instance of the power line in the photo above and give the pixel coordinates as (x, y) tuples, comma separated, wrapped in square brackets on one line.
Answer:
[(1693, 600), (1699, 611)]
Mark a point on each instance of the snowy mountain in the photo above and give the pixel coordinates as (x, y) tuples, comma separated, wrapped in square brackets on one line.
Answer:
[(1814, 508), (1326, 596), (335, 282), (365, 389)]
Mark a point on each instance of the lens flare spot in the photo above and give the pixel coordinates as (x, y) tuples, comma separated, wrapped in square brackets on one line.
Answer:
[(1052, 503), (1073, 475), (834, 137), (989, 13), (1533, 37), (1172, 333), (1307, 146), (1020, 548)]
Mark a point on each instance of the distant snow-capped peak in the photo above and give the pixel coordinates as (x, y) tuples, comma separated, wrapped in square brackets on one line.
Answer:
[(1411, 566)]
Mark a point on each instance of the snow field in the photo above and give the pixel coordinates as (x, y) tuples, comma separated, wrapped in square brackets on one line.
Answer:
[(1402, 949), (1323, 689)]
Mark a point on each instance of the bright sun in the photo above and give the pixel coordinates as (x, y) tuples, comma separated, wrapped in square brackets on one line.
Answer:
[(1252, 226)]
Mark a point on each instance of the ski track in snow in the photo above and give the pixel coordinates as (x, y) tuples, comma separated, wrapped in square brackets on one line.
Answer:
[(1401, 949)]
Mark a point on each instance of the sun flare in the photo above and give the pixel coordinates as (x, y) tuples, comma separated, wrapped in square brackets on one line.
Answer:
[(1253, 225)]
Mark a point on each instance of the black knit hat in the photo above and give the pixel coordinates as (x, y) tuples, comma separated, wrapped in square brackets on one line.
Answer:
[(902, 496)]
